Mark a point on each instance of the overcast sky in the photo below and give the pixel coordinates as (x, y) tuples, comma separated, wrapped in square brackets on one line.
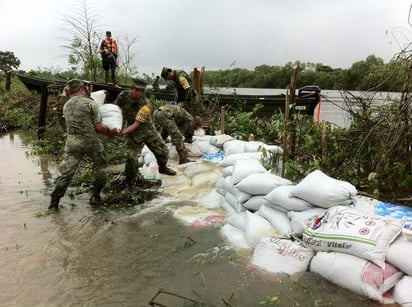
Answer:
[(217, 34)]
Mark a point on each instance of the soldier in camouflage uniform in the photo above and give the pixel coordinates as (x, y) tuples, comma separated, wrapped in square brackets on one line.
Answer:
[(186, 94), (140, 130), (83, 125), (175, 121)]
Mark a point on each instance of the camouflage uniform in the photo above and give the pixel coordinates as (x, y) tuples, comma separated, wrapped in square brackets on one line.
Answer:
[(145, 134), (81, 114), (186, 94), (175, 121)]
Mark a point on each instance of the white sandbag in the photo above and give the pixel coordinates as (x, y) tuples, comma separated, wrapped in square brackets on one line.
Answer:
[(232, 200), (230, 160), (238, 220), (261, 183), (255, 202), (211, 200), (281, 255), (301, 220), (400, 254), (244, 168), (402, 292), (234, 146), (219, 140), (99, 97), (205, 147), (227, 171), (227, 207), (149, 157), (111, 115), (220, 186), (345, 230), (278, 208), (151, 171), (235, 236), (280, 196), (279, 220), (193, 150), (255, 146), (323, 191), (241, 196), (356, 274), (258, 227), (227, 182)]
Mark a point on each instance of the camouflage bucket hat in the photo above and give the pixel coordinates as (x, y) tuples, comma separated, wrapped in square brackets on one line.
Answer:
[(165, 70), (139, 83), (75, 83)]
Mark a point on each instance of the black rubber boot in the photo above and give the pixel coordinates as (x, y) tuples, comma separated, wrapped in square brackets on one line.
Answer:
[(96, 199), (183, 157), (54, 203), (163, 169)]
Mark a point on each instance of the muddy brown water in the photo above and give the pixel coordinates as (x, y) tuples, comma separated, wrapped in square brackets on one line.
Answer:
[(83, 257)]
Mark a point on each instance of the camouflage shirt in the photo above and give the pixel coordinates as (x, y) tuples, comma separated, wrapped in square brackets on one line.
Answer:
[(81, 114), (183, 83), (179, 114)]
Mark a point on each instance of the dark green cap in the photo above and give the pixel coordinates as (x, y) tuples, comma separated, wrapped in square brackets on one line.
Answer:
[(75, 83), (139, 83), (165, 70)]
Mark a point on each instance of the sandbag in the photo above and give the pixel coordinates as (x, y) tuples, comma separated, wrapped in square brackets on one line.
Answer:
[(254, 146), (255, 202), (235, 236), (234, 147), (400, 254), (232, 200), (345, 230), (261, 183), (279, 220), (300, 220), (111, 115), (281, 255), (402, 292), (238, 220), (323, 191), (356, 274), (99, 97), (230, 160), (257, 227), (244, 168), (280, 196), (219, 140)]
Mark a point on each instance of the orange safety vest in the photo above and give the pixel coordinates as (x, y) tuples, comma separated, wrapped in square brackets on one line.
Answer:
[(111, 44)]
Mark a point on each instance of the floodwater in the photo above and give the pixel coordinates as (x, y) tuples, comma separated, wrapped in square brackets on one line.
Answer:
[(83, 257)]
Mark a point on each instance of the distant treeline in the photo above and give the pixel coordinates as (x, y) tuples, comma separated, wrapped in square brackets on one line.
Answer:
[(370, 74)]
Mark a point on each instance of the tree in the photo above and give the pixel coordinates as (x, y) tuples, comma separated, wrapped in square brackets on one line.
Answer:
[(82, 39), (8, 61), (126, 56)]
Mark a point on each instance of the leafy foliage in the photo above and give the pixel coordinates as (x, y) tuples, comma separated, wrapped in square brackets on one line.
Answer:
[(8, 61)]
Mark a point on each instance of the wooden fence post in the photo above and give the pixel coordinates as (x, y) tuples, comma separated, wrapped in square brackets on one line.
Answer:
[(8, 81), (42, 112)]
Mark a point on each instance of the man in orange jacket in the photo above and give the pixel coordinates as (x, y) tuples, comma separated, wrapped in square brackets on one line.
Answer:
[(109, 51)]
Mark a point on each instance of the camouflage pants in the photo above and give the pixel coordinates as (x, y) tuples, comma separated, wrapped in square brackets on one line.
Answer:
[(70, 163), (168, 127), (134, 146)]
